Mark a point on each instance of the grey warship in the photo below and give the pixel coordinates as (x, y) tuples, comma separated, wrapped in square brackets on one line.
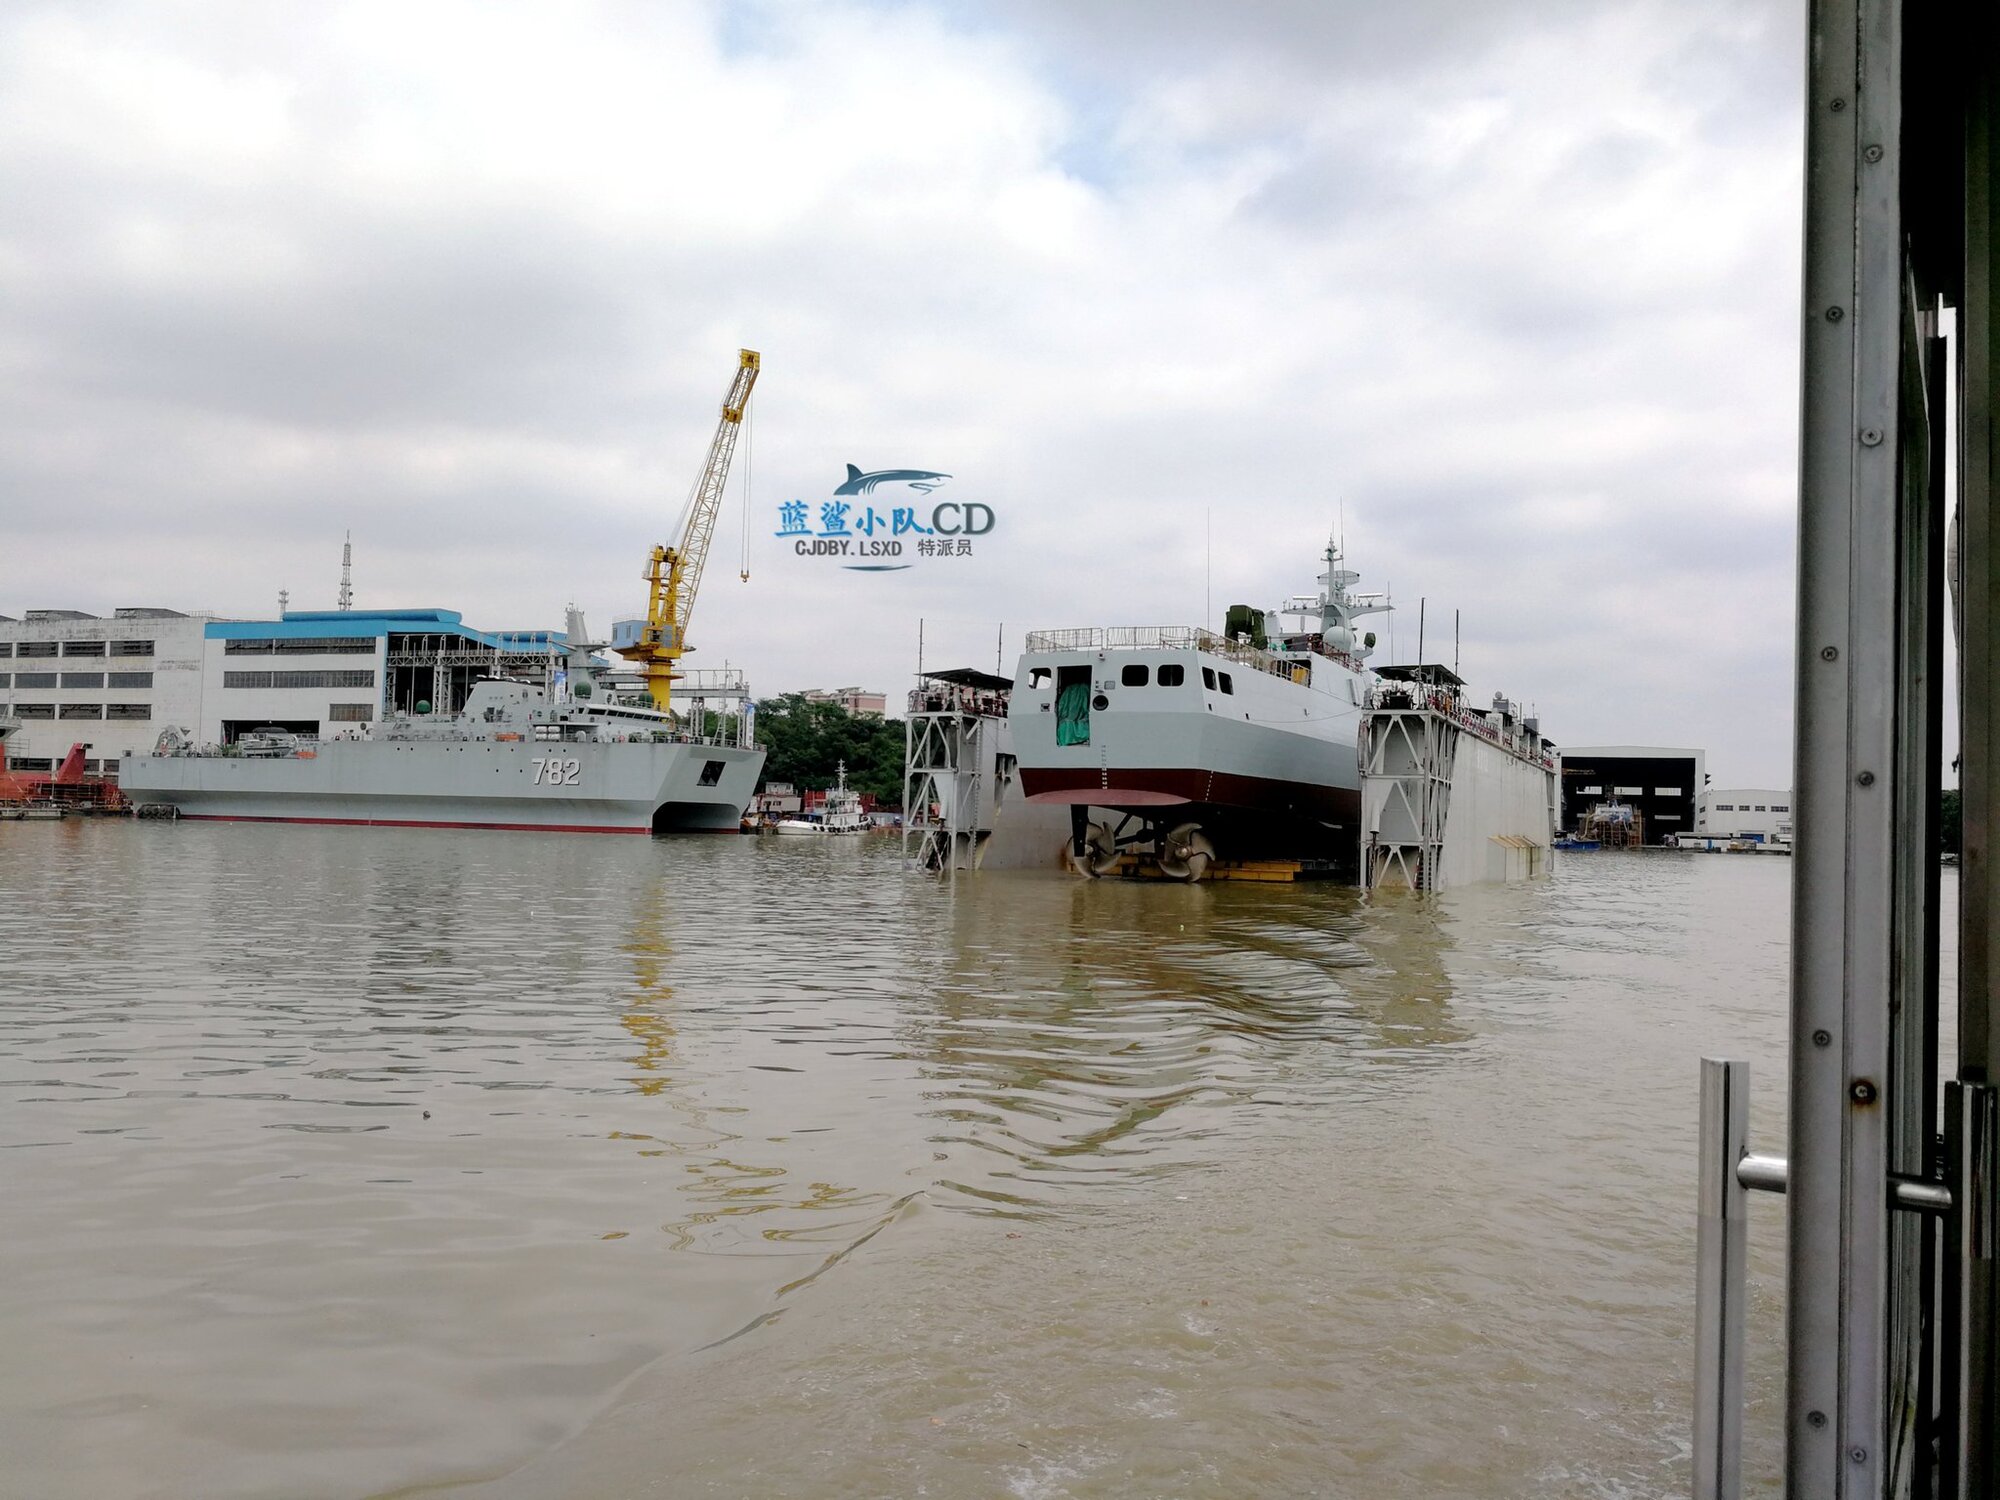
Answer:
[(558, 757)]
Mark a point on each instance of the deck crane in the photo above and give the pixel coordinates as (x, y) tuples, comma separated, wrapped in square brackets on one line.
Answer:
[(674, 573)]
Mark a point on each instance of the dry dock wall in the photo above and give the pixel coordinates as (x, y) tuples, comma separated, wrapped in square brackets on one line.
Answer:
[(1500, 821), (1442, 805)]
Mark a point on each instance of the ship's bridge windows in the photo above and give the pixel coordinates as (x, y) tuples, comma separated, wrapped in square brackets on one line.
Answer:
[(711, 773), (1228, 686), (1208, 678), (1135, 674), (1172, 674), (1038, 677)]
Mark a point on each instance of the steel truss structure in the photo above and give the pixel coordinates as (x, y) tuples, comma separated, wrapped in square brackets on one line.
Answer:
[(1407, 761)]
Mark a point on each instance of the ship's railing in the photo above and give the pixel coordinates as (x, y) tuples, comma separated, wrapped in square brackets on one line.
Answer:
[(711, 681), (1087, 639), (1394, 695), (1157, 638), (953, 698)]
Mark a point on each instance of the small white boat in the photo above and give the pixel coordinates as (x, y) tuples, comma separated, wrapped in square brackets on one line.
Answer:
[(839, 814)]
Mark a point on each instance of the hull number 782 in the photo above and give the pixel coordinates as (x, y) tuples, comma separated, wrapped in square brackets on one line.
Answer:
[(557, 771)]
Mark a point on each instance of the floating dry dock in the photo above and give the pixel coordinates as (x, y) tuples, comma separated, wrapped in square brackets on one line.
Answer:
[(1448, 794)]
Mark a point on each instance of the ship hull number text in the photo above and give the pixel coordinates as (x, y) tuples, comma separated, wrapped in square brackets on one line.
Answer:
[(556, 771)]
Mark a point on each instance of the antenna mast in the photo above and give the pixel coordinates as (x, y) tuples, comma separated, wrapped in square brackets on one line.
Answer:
[(347, 572)]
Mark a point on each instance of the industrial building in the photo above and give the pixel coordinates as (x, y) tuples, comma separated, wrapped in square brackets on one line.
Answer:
[(116, 683), (1761, 815), (1663, 783)]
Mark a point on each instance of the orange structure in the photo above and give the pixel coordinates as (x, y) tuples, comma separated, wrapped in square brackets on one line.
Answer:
[(67, 786)]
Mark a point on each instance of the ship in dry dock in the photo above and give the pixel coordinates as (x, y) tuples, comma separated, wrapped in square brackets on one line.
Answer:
[(1185, 746)]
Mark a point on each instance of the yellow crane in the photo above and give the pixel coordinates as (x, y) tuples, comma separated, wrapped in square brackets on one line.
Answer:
[(674, 573)]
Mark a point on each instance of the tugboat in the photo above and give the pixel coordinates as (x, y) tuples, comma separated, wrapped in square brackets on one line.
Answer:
[(1178, 746), (840, 814)]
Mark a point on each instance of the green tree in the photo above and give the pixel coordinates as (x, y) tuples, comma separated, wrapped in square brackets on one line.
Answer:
[(805, 743), (1950, 830)]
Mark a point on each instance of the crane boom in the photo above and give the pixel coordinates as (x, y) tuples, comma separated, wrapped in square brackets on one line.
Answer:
[(674, 573)]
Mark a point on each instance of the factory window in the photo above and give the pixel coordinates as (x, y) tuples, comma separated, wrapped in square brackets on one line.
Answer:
[(351, 713), (131, 648), (298, 679), (1208, 678), (6, 648), (83, 648), (1666, 817), (129, 711), (248, 647), (1228, 685), (35, 648), (1666, 791), (4, 679), (1628, 791), (82, 711), (1173, 674), (128, 679), (1762, 808), (332, 645), (83, 679), (1725, 807), (1777, 807), (1134, 674), (31, 763), (1592, 791), (322, 679), (34, 679), (34, 710)]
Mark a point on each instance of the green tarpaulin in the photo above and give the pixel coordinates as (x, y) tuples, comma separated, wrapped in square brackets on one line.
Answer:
[(1073, 714)]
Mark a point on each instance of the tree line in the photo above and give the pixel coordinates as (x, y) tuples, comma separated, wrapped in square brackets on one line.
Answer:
[(805, 742)]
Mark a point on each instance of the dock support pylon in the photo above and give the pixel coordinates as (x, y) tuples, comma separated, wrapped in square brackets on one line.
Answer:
[(1407, 759)]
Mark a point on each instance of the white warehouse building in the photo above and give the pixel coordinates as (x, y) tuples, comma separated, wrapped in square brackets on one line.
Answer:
[(1759, 814), (116, 684)]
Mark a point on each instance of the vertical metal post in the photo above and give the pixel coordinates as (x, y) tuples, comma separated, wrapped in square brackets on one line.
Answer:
[(1979, 555), (1720, 1253), (1844, 898), (1971, 1286), (1975, 66)]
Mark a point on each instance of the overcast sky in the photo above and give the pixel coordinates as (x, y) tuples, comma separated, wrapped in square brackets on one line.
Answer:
[(1513, 285)]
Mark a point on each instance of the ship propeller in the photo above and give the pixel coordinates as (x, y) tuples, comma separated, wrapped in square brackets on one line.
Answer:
[(1100, 852), (1186, 853)]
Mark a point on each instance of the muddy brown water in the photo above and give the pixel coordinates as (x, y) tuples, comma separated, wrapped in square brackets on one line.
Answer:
[(350, 1162)]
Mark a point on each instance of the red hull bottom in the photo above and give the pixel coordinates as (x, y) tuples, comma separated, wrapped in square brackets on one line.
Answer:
[(1247, 817), (418, 823), (1222, 790)]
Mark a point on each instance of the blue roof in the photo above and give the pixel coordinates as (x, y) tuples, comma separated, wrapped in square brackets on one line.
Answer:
[(316, 624)]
